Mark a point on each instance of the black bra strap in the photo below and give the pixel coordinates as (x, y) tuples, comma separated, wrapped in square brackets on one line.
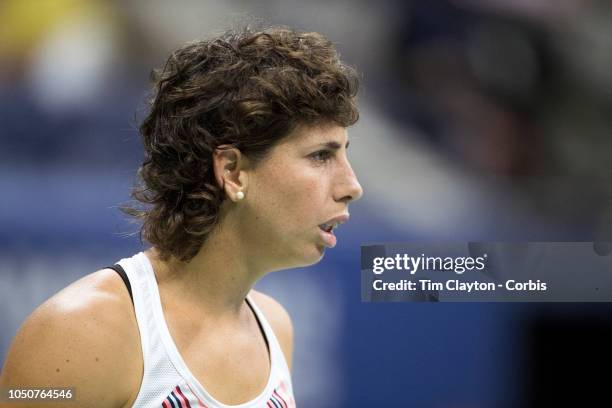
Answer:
[(119, 269)]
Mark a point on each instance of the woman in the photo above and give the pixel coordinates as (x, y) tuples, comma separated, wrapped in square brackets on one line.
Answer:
[(245, 172)]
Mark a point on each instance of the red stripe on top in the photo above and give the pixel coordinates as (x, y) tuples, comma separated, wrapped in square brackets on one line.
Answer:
[(281, 398), (184, 402), (268, 404), (200, 403), (165, 404)]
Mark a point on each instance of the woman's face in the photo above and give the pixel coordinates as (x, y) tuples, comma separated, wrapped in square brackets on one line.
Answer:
[(304, 183)]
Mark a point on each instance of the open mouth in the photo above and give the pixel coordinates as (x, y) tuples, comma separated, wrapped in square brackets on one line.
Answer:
[(329, 227)]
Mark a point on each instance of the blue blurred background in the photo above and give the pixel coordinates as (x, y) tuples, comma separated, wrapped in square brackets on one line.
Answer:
[(480, 120)]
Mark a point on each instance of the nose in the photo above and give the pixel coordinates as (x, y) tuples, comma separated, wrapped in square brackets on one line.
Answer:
[(348, 187)]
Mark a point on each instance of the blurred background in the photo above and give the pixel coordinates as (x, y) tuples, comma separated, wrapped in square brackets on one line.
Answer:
[(480, 120)]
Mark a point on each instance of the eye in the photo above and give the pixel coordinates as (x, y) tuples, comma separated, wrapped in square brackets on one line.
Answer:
[(322, 156)]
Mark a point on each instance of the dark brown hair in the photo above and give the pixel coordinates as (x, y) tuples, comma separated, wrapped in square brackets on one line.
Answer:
[(248, 89)]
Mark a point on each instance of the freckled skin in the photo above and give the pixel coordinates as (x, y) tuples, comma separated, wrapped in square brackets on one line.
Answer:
[(290, 194)]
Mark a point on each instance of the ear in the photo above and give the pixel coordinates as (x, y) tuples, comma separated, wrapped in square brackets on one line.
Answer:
[(230, 167)]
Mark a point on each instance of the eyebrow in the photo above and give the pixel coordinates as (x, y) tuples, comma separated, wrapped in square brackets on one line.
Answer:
[(334, 145)]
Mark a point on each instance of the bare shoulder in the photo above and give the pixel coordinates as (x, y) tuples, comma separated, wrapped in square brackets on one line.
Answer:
[(280, 321), (86, 337)]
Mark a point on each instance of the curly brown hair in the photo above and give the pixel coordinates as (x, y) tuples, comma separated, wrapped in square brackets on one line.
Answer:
[(248, 89)]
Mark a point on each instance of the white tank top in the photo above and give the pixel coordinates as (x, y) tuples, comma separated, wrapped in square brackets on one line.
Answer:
[(167, 381)]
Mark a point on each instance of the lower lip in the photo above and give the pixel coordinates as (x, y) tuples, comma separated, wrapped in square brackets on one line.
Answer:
[(329, 238)]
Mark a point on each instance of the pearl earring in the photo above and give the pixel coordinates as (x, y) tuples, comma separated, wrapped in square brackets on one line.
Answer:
[(239, 195)]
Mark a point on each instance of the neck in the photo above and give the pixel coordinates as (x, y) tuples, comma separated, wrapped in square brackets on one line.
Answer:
[(217, 280)]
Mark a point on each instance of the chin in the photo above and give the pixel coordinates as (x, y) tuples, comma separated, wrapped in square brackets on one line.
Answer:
[(316, 256), (301, 256), (309, 257)]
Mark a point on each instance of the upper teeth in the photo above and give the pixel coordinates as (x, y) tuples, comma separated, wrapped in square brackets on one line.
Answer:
[(332, 225)]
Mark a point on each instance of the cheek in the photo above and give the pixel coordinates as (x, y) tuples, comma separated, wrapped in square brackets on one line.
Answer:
[(292, 201), (303, 199)]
